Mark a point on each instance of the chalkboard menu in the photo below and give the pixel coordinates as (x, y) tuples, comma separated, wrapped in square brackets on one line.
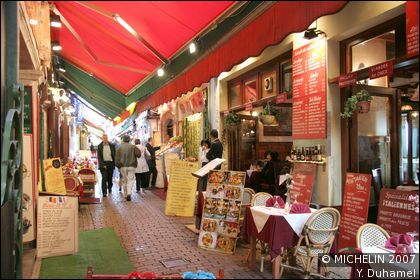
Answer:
[(397, 211), (355, 207), (303, 178), (309, 91)]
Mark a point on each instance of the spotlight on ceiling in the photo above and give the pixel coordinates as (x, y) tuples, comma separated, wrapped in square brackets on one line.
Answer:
[(193, 47), (61, 68), (311, 33), (56, 46), (160, 72), (55, 21)]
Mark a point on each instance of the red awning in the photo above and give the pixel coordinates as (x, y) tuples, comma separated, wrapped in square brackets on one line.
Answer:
[(92, 40), (270, 28)]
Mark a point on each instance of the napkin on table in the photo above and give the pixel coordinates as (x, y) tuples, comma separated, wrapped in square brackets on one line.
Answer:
[(393, 242), (272, 200), (299, 208)]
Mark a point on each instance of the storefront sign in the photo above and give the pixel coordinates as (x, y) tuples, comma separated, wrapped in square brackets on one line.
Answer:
[(355, 207), (281, 98), (28, 182), (303, 182), (412, 28), (53, 174), (397, 211), (347, 80), (248, 107), (380, 70), (27, 111), (180, 198), (309, 91), (58, 226), (220, 222)]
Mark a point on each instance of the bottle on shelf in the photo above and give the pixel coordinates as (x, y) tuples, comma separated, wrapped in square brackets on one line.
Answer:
[(307, 154), (319, 155), (298, 155)]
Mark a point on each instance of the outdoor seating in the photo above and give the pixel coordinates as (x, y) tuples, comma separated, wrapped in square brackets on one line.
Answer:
[(260, 199), (370, 235)]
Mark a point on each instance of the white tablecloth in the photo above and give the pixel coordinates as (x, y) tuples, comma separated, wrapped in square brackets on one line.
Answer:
[(260, 214)]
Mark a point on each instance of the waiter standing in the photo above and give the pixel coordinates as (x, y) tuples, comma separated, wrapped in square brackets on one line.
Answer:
[(216, 148), (106, 160)]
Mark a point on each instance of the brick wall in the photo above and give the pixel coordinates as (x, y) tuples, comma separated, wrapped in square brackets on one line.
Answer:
[(283, 148)]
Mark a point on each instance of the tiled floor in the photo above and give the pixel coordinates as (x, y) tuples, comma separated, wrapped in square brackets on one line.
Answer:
[(151, 237)]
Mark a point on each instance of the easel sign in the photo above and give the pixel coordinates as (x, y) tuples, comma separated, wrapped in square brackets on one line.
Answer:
[(220, 223)]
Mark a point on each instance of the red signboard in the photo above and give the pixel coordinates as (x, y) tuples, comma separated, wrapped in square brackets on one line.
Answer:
[(248, 107), (309, 111), (381, 69), (397, 212), (412, 28), (281, 98), (347, 80), (355, 207), (303, 182)]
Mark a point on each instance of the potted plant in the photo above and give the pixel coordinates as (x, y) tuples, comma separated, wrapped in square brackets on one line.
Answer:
[(232, 119), (268, 115), (359, 101)]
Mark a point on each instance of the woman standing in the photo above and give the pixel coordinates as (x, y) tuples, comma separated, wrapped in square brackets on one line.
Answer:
[(205, 146), (142, 168)]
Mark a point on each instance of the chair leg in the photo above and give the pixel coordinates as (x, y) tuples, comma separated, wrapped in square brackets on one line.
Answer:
[(308, 267)]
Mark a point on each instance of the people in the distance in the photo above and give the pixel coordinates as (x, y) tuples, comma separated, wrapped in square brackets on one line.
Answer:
[(216, 147), (204, 148), (142, 168), (106, 162), (126, 160), (152, 163)]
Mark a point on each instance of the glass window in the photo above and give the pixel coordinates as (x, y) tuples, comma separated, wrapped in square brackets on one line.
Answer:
[(251, 90), (235, 97), (286, 72)]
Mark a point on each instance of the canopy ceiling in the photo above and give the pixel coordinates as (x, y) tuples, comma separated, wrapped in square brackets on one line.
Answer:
[(96, 43)]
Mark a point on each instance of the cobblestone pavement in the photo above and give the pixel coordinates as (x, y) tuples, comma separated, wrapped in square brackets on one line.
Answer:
[(150, 237)]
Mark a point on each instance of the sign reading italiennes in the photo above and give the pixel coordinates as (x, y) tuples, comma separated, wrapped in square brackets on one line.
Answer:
[(397, 211), (220, 221), (355, 207), (58, 226), (412, 28), (180, 198), (309, 91), (303, 182)]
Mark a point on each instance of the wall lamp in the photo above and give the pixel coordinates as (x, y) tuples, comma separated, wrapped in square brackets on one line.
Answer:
[(312, 33)]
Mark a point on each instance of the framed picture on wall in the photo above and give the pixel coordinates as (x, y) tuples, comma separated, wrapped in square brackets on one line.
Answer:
[(269, 83), (284, 119)]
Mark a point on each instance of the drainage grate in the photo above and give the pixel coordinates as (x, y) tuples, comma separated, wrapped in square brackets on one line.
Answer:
[(169, 263)]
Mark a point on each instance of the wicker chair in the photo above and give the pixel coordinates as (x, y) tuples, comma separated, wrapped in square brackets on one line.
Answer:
[(246, 201), (370, 235), (260, 199), (317, 237)]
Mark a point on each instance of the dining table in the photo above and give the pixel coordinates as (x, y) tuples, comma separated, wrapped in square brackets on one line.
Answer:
[(276, 227)]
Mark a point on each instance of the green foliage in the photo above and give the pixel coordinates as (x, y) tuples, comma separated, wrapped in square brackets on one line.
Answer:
[(232, 119), (351, 102), (268, 110)]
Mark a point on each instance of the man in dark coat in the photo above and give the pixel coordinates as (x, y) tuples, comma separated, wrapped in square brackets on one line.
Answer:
[(106, 161), (152, 163), (216, 148)]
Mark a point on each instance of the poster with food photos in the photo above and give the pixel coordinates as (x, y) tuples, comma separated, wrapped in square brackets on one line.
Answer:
[(219, 228)]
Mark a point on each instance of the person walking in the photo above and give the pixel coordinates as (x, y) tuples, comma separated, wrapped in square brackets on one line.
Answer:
[(152, 163), (126, 160), (106, 161), (216, 148), (142, 169)]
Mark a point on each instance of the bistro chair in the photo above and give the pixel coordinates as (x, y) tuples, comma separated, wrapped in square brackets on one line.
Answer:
[(370, 235), (317, 237), (260, 199), (246, 200)]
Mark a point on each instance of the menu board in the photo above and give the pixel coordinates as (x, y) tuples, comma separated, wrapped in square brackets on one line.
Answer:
[(309, 91), (303, 182), (180, 197), (397, 211), (355, 207), (58, 226), (220, 221), (53, 174), (412, 28)]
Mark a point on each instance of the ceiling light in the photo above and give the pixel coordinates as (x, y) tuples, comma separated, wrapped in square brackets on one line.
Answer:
[(117, 118), (193, 47), (56, 46), (124, 24), (55, 21), (406, 107), (160, 72), (254, 113), (33, 21), (131, 106)]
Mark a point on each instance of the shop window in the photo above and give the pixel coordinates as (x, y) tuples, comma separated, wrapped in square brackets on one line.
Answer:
[(251, 90), (269, 83), (235, 95), (286, 80)]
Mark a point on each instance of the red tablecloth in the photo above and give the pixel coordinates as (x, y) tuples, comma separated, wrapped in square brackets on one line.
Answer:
[(276, 232)]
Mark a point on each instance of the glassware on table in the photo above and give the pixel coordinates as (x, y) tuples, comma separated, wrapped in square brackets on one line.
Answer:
[(276, 203)]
